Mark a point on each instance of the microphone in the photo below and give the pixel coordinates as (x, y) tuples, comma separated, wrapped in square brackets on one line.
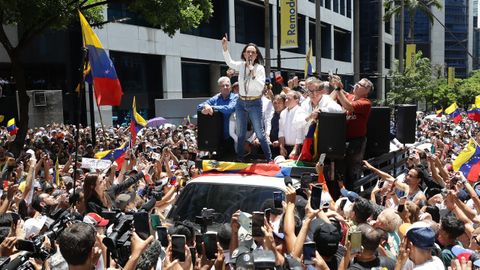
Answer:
[(150, 257)]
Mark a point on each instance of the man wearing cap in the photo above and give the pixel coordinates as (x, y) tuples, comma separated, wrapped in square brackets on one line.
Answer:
[(422, 239)]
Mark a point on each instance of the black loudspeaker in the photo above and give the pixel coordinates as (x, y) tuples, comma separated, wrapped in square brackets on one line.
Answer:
[(331, 134), (405, 119), (210, 131), (378, 132)]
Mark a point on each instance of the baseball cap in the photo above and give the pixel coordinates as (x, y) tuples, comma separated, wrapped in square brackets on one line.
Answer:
[(329, 235), (349, 194), (421, 235), (95, 220)]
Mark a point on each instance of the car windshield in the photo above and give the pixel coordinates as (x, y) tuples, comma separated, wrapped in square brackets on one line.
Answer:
[(224, 199)]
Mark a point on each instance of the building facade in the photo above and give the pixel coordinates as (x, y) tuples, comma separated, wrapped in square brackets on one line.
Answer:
[(151, 65), (448, 41)]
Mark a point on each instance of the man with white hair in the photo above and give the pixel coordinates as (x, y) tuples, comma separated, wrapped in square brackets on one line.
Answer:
[(223, 102)]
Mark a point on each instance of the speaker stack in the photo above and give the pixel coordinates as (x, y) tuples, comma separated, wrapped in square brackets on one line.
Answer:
[(378, 132), (210, 131), (332, 132), (405, 119)]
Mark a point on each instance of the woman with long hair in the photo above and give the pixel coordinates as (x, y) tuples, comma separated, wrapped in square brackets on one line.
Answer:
[(95, 197), (251, 79)]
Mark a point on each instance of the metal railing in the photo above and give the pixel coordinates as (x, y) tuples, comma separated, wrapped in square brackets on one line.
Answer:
[(393, 163)]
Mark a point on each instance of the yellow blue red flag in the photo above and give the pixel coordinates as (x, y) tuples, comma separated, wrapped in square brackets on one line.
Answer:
[(468, 161), (136, 123), (11, 127), (454, 113), (108, 90)]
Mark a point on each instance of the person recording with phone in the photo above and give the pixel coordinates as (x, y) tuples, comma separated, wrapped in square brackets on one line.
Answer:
[(368, 257), (251, 80), (358, 108)]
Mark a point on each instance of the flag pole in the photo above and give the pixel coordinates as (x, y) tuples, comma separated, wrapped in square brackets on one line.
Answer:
[(101, 119), (92, 116), (83, 64)]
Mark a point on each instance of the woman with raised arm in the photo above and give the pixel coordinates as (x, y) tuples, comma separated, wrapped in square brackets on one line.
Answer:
[(251, 79)]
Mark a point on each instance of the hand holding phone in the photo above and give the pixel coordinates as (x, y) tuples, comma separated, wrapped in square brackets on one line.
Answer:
[(210, 241), (258, 220), (141, 223), (178, 247), (355, 238), (277, 199), (316, 197)]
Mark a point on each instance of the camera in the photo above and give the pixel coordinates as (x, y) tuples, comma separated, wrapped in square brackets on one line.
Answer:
[(118, 241), (34, 248), (205, 219)]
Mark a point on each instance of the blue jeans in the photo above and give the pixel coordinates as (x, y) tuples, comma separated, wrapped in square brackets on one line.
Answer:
[(253, 110)]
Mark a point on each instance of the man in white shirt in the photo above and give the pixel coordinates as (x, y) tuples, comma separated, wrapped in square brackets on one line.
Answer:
[(319, 100), (291, 126)]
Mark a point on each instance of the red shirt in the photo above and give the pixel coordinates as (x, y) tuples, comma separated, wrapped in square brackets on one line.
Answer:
[(358, 119)]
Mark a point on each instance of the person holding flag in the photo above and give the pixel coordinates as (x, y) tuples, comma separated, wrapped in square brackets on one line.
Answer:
[(137, 122)]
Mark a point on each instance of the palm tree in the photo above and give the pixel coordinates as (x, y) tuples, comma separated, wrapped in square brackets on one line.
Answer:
[(396, 8)]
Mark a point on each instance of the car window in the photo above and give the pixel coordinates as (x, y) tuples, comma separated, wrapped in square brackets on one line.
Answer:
[(224, 199)]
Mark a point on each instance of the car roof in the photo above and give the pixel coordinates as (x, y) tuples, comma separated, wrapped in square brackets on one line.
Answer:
[(247, 180)]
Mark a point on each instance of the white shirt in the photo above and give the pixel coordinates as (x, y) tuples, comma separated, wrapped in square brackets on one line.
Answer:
[(326, 104), (267, 109), (247, 85), (291, 125), (434, 263)]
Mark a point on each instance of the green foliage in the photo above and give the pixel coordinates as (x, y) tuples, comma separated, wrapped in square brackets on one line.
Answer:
[(415, 84), (418, 85), (173, 15)]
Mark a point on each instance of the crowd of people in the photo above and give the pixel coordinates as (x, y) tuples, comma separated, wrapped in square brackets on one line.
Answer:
[(55, 213)]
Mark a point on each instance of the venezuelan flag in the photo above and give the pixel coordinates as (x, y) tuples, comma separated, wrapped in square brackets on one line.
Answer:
[(474, 113), (468, 161), (439, 112), (136, 123), (265, 169), (308, 71), (477, 101), (11, 127), (309, 147), (108, 90), (454, 113), (117, 155)]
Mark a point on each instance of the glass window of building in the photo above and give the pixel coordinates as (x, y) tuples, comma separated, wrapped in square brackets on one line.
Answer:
[(342, 43), (195, 79), (388, 55), (326, 39), (141, 76), (335, 5), (250, 24), (217, 25), (349, 8), (328, 4), (342, 7)]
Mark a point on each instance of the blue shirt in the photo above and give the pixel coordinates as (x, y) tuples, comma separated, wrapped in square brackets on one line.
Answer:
[(223, 105)]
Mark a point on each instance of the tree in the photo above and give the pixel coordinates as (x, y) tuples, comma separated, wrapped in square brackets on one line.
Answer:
[(32, 18), (415, 84), (396, 8)]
